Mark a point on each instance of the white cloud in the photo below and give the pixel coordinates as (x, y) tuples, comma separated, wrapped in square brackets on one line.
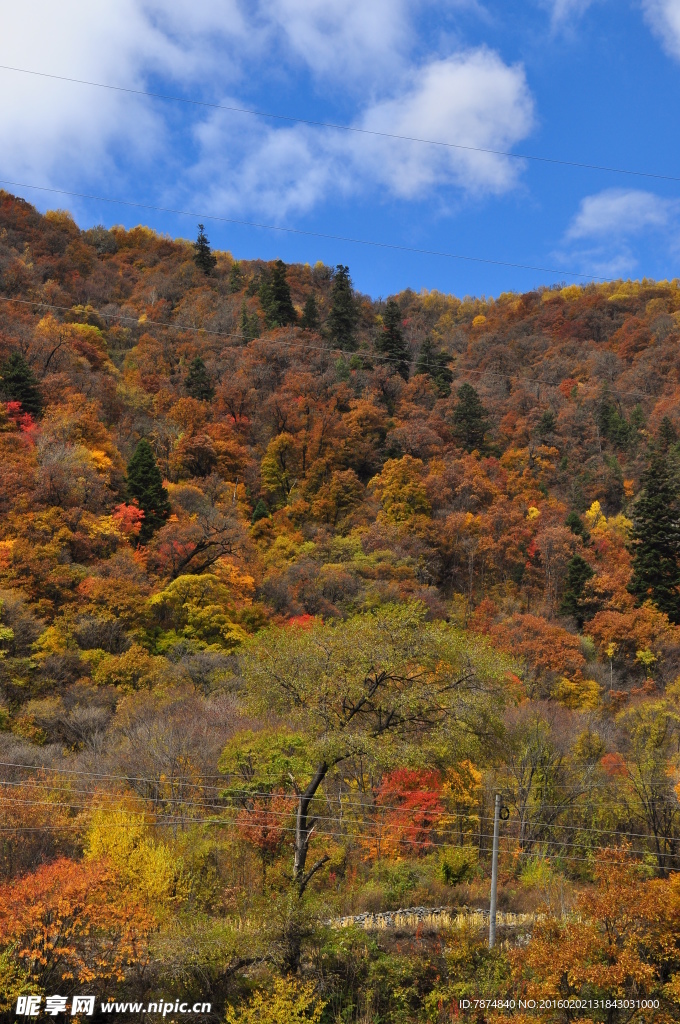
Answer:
[(620, 213), (358, 39), (58, 133), (664, 18), (568, 10), (472, 99), (47, 126), (612, 228)]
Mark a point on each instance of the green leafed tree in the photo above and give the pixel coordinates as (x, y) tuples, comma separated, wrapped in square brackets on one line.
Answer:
[(362, 687), (470, 419), (668, 435), (204, 257), (249, 325), (578, 574), (391, 343), (275, 298), (18, 383), (235, 277), (145, 487), (259, 512), (198, 381), (434, 363), (310, 315), (343, 318), (655, 539)]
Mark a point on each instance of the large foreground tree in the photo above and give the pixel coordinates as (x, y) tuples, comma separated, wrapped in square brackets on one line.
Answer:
[(354, 689)]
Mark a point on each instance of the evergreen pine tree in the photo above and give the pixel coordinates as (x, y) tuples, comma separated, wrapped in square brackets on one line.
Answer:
[(547, 423), (203, 254), (18, 383), (578, 574), (310, 314), (259, 512), (343, 318), (198, 381), (235, 277), (275, 298), (145, 486), (249, 326), (668, 435), (435, 364), (470, 419), (391, 343), (576, 525), (655, 540)]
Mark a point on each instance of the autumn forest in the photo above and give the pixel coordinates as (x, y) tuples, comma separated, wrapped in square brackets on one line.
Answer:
[(292, 583)]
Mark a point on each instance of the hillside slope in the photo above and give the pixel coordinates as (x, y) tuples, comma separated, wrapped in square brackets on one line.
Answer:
[(190, 457)]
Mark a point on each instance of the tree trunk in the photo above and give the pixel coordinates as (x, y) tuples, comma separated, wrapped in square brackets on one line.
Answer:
[(304, 827)]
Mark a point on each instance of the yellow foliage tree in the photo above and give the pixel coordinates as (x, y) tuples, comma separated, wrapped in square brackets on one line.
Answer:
[(289, 1002)]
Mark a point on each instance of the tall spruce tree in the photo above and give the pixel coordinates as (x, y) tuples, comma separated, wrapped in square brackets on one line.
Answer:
[(275, 298), (198, 381), (204, 258), (434, 363), (391, 343), (667, 435), (235, 277), (655, 539), (343, 318), (310, 314), (249, 326), (145, 486), (18, 383), (470, 419), (578, 574)]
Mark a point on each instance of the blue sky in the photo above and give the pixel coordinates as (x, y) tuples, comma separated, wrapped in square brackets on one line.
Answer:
[(594, 81)]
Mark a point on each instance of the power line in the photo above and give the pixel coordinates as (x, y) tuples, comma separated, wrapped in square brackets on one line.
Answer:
[(345, 127), (328, 798), (370, 830), (226, 776), (310, 234), (382, 358)]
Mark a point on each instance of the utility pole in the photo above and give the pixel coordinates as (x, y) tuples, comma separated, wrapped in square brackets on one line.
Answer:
[(494, 871)]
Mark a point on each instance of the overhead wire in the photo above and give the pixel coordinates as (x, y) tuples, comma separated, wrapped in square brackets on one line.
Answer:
[(232, 108), (301, 343), (94, 805), (369, 830), (359, 835), (309, 233), (340, 798), (224, 778)]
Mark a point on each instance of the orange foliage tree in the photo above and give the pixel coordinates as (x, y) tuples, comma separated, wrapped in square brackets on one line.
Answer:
[(72, 922)]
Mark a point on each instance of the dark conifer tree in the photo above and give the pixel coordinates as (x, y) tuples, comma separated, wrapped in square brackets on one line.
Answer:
[(235, 277), (145, 486), (310, 314), (259, 512), (391, 344), (275, 298), (198, 381), (18, 383), (668, 435), (655, 540), (343, 318), (435, 364), (576, 525), (204, 258), (578, 574), (249, 326), (470, 419)]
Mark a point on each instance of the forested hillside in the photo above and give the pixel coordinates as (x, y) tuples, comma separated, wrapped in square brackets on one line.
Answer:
[(291, 583)]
